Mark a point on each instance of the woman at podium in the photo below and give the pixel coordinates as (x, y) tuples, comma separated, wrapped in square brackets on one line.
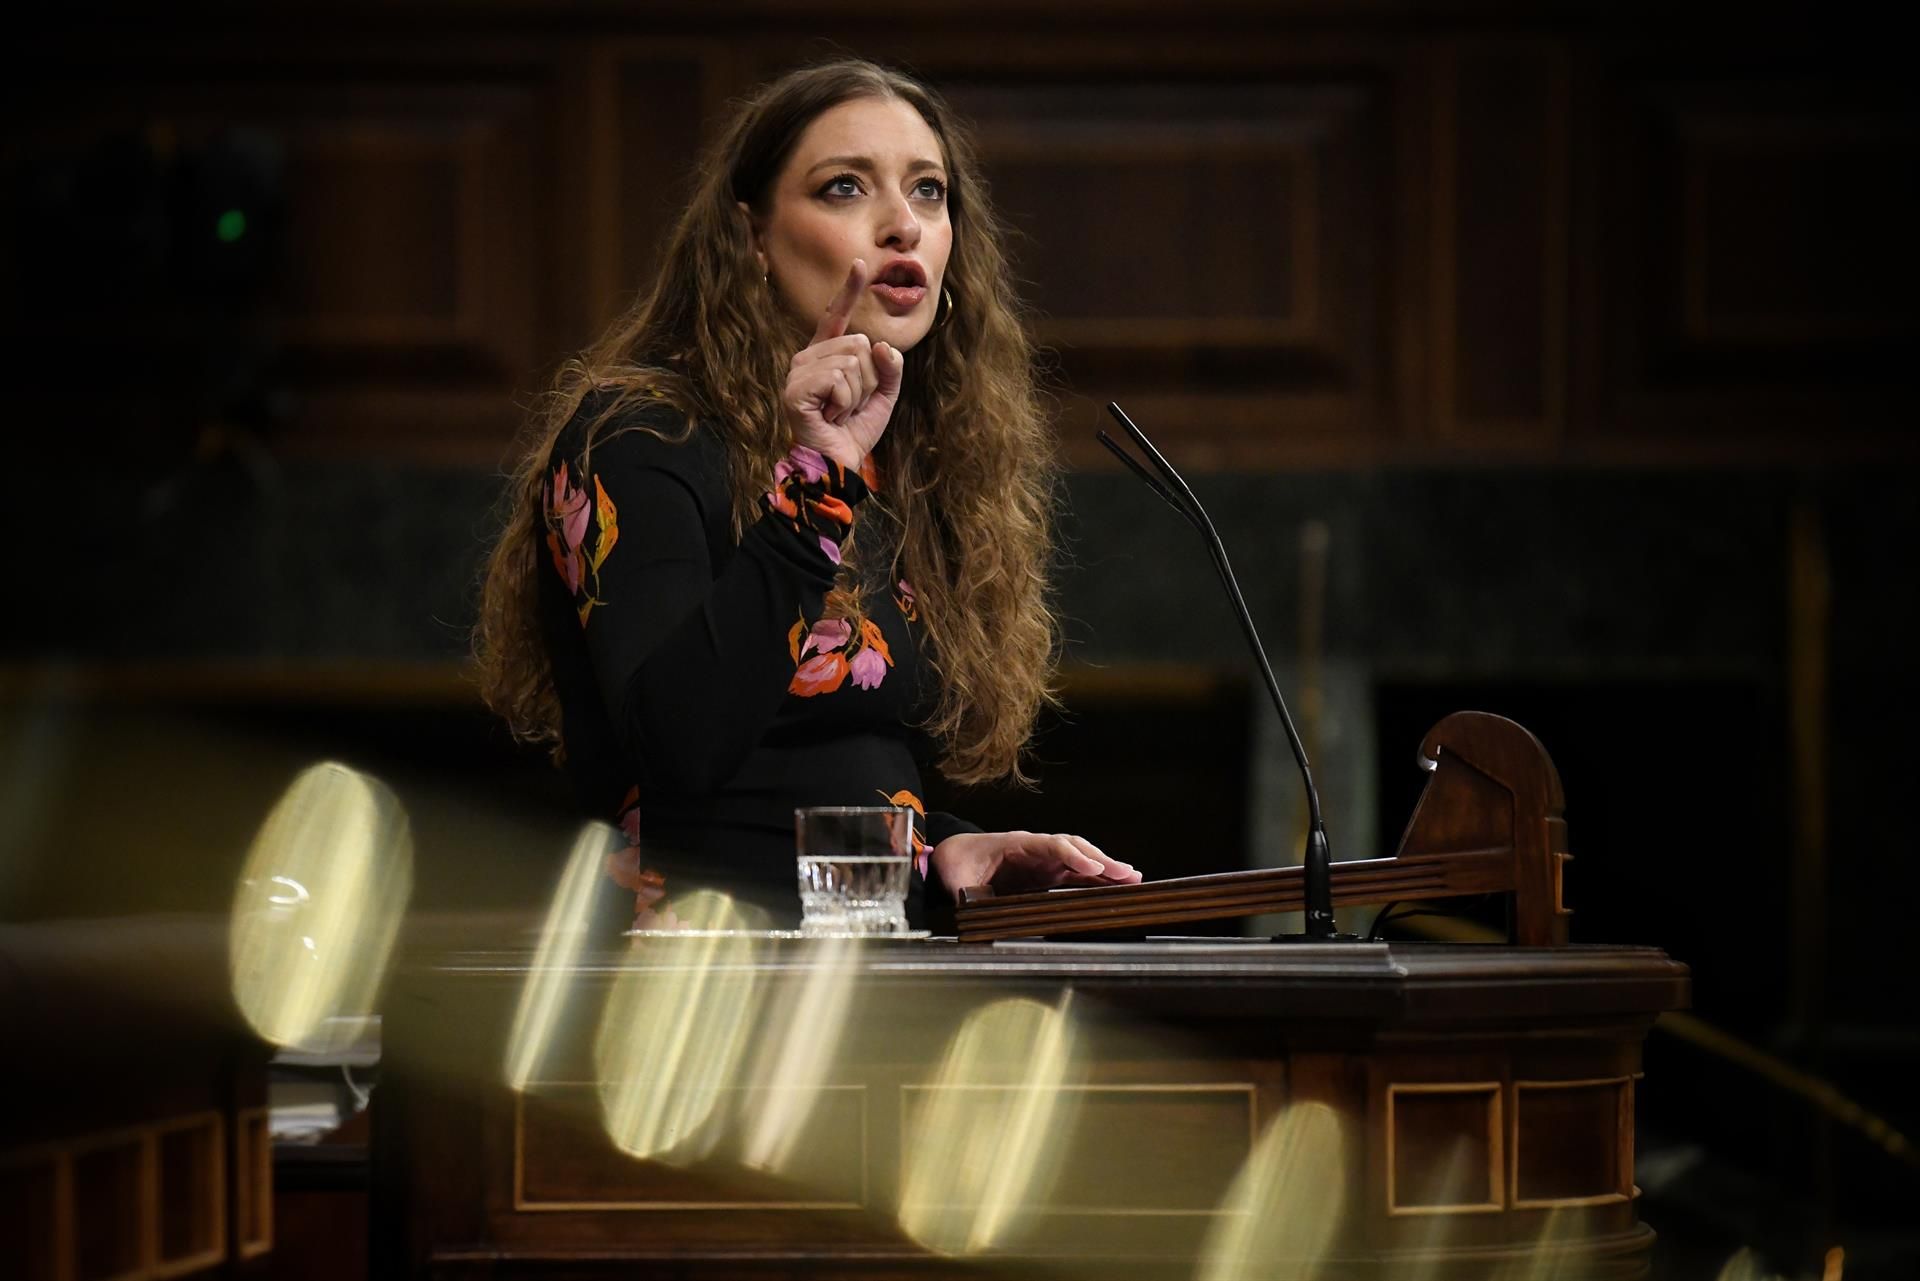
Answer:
[(780, 536)]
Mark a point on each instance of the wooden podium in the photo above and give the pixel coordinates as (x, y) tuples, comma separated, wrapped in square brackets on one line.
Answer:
[(1525, 1059), (1513, 1069)]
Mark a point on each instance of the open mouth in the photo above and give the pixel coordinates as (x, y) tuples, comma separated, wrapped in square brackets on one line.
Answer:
[(901, 286), (902, 275)]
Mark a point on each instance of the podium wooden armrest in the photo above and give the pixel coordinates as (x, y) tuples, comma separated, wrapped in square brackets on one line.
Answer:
[(1490, 820)]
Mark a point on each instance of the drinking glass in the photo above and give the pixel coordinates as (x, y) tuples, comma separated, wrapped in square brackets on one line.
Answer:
[(855, 862)]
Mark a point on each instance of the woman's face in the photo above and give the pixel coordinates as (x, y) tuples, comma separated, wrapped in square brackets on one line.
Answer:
[(867, 180)]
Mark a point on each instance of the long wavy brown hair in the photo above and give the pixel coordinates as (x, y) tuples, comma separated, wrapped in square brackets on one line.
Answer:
[(966, 462)]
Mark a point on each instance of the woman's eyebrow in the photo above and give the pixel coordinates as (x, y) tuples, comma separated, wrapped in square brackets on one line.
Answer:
[(866, 163)]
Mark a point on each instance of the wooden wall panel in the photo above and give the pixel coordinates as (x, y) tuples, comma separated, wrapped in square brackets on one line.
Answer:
[(1499, 255), (1223, 241), (418, 228), (1797, 230), (1757, 281), (403, 295), (1280, 241), (379, 214), (665, 102), (396, 211)]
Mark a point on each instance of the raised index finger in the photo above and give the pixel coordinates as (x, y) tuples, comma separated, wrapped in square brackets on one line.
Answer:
[(834, 322)]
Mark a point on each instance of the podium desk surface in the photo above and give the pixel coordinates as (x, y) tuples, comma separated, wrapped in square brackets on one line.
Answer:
[(1413, 982)]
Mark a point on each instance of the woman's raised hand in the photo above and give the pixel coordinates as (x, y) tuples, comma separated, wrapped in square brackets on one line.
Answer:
[(1015, 861), (841, 388)]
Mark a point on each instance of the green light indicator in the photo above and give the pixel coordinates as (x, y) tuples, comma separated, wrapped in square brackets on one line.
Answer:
[(231, 226)]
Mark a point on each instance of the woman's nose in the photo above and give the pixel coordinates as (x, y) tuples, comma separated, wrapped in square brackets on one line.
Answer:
[(898, 226)]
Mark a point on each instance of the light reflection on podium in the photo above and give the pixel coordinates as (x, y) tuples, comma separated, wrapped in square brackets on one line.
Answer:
[(1284, 1207), (985, 1142), (671, 1037), (317, 909), (562, 937), (797, 1056)]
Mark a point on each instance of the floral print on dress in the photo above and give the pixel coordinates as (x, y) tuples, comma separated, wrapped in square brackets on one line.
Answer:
[(566, 508), (904, 601), (870, 662), (567, 514), (921, 849), (826, 653), (804, 491)]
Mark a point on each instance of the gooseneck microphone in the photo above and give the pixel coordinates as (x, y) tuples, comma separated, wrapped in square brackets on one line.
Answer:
[(1177, 495)]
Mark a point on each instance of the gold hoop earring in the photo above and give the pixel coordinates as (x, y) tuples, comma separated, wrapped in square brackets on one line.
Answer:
[(941, 317)]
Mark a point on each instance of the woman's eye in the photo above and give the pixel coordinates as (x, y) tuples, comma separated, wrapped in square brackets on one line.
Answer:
[(841, 185), (930, 189)]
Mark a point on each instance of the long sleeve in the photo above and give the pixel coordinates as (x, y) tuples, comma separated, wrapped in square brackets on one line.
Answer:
[(937, 907), (692, 665), (941, 825)]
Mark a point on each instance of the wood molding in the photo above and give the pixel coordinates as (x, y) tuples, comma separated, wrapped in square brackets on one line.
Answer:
[(1496, 1130), (253, 1182), (1531, 245), (1621, 1138)]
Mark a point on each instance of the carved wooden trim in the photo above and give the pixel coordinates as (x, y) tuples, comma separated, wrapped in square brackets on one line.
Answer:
[(142, 1142), (215, 1190), (1198, 1087), (63, 1216), (253, 1180), (57, 1163), (522, 1203), (1496, 1164), (1623, 1141), (146, 1195)]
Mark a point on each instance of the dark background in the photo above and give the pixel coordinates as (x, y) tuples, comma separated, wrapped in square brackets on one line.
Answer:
[(1546, 359)]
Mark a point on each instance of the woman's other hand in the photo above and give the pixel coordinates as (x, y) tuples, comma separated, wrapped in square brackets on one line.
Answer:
[(841, 387), (1014, 861)]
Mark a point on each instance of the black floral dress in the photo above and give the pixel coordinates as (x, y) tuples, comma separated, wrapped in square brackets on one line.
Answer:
[(704, 692)]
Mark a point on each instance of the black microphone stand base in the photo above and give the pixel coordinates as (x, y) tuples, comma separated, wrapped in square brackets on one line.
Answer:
[(1319, 889)]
